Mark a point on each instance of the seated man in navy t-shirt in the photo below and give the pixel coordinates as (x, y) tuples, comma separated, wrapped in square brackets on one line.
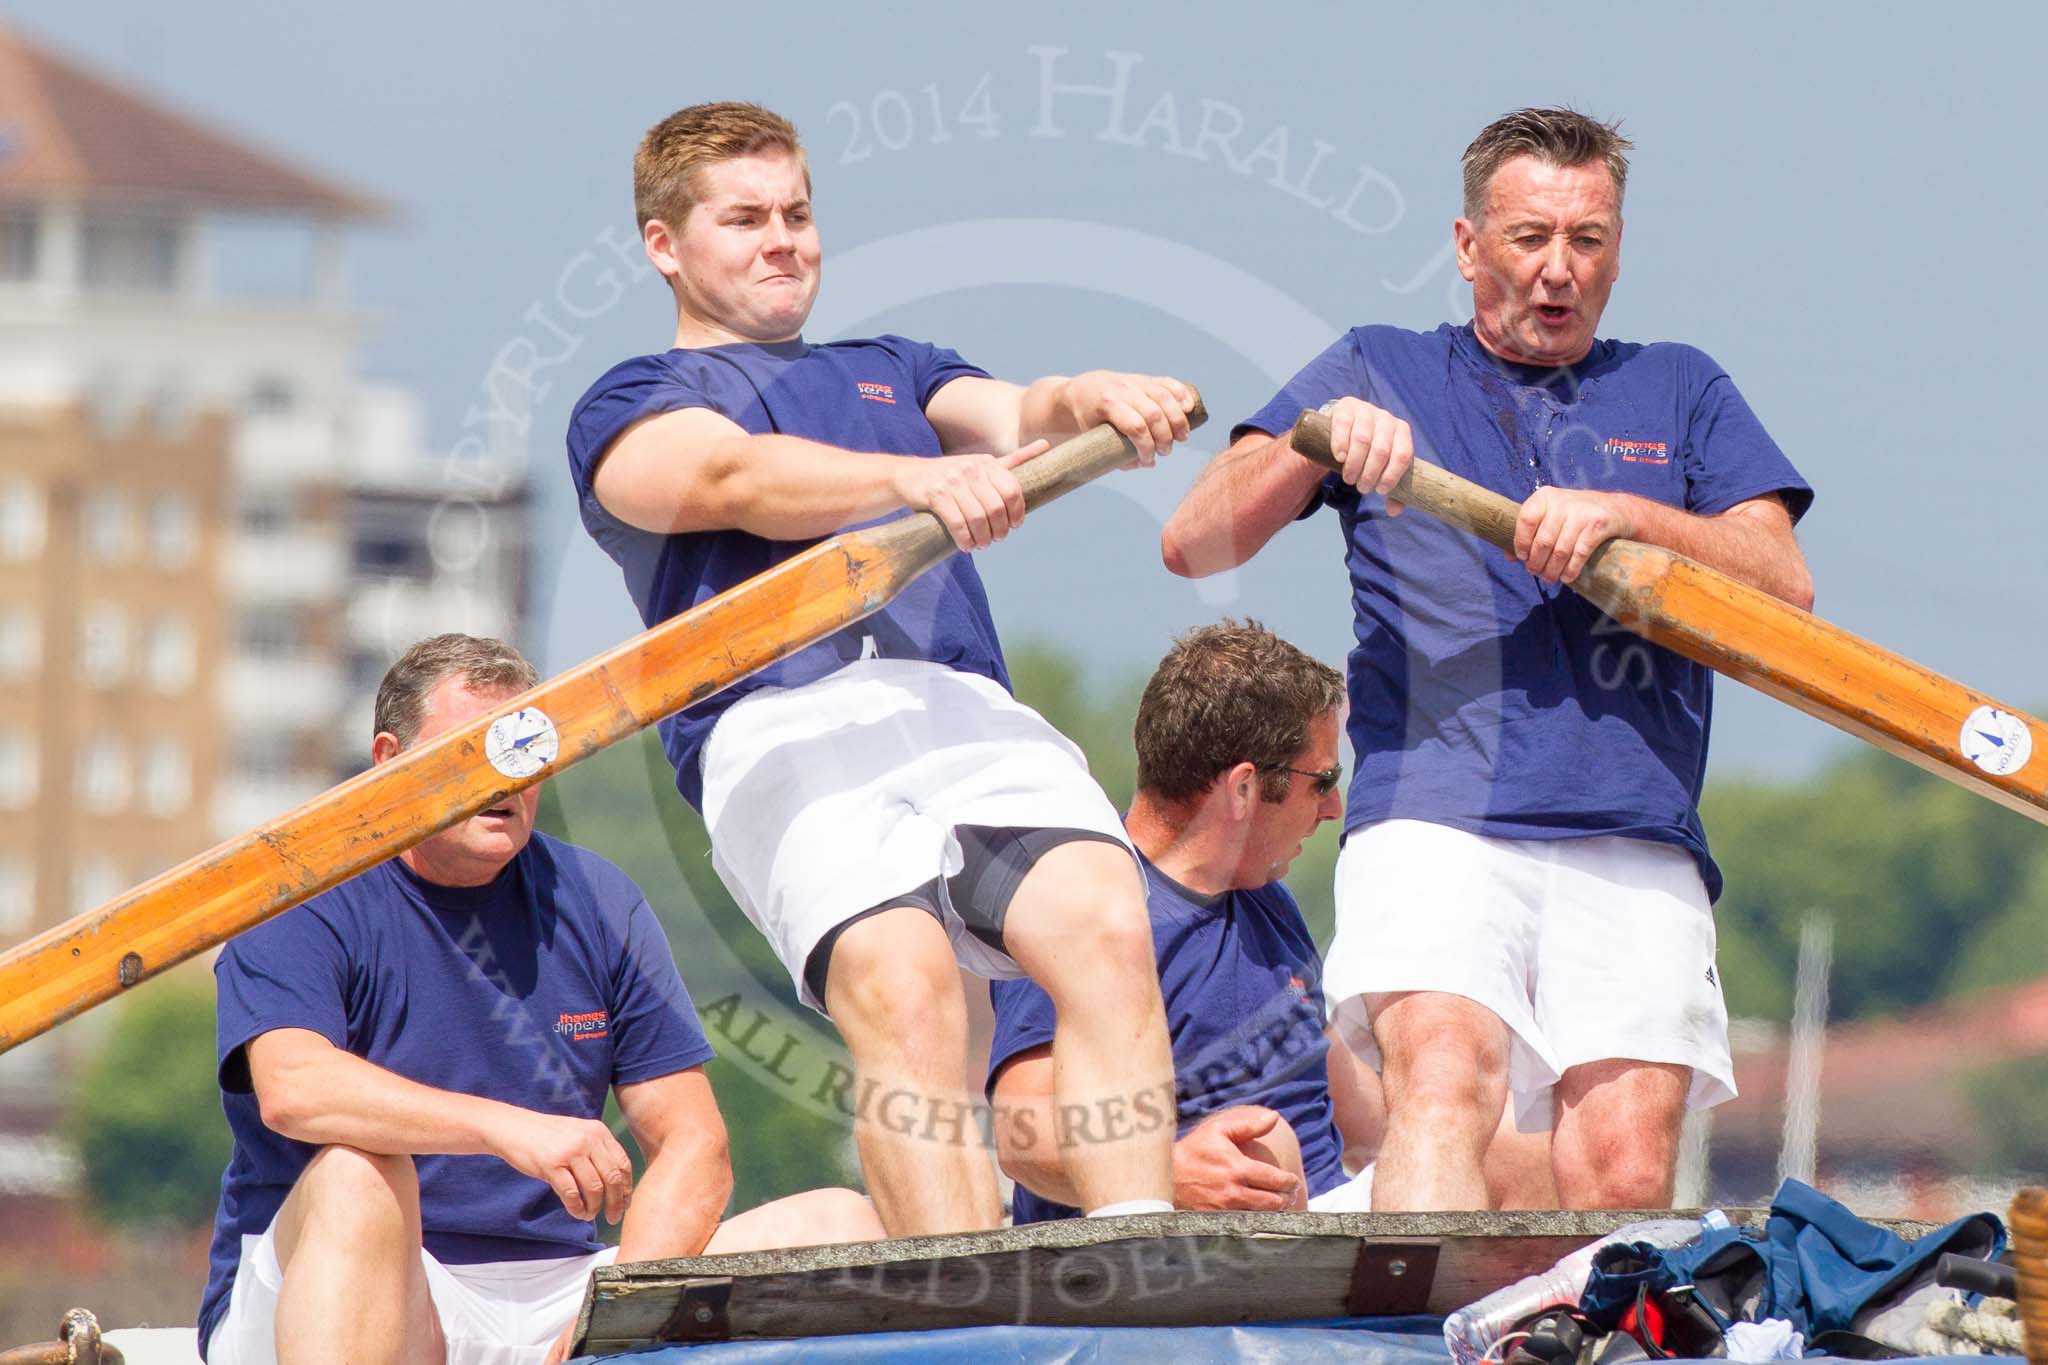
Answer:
[(1237, 764), (1524, 899), (414, 1066), (878, 804)]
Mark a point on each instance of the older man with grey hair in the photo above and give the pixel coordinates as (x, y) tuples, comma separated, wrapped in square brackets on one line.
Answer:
[(1524, 896)]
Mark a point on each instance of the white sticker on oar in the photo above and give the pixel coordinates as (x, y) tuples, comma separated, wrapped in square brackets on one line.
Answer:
[(521, 744), (1997, 741)]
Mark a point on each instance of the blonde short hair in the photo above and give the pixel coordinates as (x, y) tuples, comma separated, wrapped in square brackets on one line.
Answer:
[(667, 166)]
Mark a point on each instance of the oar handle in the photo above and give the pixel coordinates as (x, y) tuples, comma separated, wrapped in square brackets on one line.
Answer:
[(1089, 456), (1437, 491)]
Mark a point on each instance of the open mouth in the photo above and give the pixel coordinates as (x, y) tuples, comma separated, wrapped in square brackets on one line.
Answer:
[(1553, 312), (502, 812)]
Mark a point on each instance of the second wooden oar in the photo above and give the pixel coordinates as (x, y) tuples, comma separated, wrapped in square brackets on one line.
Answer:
[(395, 805), (1951, 730)]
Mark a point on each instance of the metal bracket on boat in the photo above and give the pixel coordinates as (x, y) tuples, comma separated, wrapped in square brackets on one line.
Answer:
[(78, 1343), (1391, 1278), (700, 1313)]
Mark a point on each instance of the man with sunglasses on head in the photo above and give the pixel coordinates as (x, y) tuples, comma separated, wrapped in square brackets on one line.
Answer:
[(1237, 765)]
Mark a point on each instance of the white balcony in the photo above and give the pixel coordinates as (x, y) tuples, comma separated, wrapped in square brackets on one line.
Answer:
[(286, 448), (287, 567), (387, 615), (290, 693), (241, 803)]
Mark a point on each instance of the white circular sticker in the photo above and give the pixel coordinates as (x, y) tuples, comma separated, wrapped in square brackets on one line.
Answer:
[(521, 744), (1997, 741)]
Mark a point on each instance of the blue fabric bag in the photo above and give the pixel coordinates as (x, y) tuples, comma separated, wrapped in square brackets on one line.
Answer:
[(1817, 1266)]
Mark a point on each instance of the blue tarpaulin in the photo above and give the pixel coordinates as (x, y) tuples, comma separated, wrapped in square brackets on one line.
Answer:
[(1367, 1341)]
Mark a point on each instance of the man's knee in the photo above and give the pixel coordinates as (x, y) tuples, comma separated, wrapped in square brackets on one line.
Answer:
[(812, 1218), (1617, 1171), (1441, 1053), (896, 973), (1616, 1144), (352, 1197), (1278, 1146), (838, 1214), (1090, 939)]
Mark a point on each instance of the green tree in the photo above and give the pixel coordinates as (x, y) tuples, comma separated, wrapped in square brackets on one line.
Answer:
[(1914, 870), (144, 1113), (1051, 682)]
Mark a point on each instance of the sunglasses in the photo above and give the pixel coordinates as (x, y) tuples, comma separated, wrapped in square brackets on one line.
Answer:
[(1326, 781)]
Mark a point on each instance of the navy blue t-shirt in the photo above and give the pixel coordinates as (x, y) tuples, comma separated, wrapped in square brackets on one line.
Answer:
[(1244, 1006), (543, 989), (1482, 697), (856, 395)]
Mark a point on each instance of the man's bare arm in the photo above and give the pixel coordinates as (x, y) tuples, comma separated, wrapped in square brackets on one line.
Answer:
[(688, 1178), (311, 1091), (1559, 528), (697, 470), (973, 413), (1027, 1143), (1238, 504), (1259, 485), (1211, 1168)]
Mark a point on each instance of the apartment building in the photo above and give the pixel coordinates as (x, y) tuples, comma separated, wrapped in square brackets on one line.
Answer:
[(214, 533)]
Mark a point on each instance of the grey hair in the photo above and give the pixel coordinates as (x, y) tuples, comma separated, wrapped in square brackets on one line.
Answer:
[(1559, 137), (485, 665)]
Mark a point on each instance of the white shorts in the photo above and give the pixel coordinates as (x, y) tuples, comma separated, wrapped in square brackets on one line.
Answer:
[(1353, 1196), (495, 1313), (1587, 949), (824, 801)]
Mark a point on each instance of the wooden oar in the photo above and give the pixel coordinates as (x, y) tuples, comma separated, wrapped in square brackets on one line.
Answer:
[(395, 805), (2028, 1218), (1732, 628)]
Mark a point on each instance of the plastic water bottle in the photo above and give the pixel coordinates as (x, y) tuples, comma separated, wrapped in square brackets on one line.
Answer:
[(1472, 1332)]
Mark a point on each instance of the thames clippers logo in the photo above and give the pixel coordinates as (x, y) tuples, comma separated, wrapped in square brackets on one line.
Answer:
[(877, 393), (1637, 452), (584, 1028)]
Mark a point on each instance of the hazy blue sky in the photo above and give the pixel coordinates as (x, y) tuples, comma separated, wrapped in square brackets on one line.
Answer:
[(1844, 207)]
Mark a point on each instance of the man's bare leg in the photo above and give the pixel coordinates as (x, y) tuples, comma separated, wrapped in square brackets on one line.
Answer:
[(1445, 1069), (1079, 928), (1517, 1167), (348, 1241), (893, 991), (1615, 1140), (813, 1218)]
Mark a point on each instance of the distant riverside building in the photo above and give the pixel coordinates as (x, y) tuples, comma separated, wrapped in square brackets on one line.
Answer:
[(214, 534)]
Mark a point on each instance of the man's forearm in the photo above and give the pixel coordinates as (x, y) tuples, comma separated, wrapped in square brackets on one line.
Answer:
[(788, 488), (1043, 411), (676, 1206), (341, 1099), (1245, 496), (1745, 547), (1026, 1147)]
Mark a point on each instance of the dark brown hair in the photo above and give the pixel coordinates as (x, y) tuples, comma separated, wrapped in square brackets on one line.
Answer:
[(1227, 694), (1560, 137), (670, 158), (485, 665)]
